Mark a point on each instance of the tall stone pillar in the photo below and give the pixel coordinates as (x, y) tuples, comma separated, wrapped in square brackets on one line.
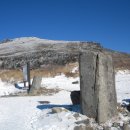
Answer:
[(97, 85)]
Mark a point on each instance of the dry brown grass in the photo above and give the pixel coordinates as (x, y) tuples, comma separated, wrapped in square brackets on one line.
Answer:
[(9, 75), (45, 71)]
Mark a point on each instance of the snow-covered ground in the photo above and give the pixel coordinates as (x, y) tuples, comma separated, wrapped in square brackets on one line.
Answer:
[(28, 113), (61, 82), (123, 85), (7, 88)]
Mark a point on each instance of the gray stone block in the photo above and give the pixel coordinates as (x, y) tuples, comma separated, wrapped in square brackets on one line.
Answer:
[(126, 127), (87, 67), (97, 84), (105, 82), (36, 84), (83, 127)]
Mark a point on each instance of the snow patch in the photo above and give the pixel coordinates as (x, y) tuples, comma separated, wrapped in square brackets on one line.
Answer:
[(7, 88), (58, 121), (61, 82), (122, 85)]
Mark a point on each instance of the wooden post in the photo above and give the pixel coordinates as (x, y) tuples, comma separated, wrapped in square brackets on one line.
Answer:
[(28, 75), (25, 75), (24, 84)]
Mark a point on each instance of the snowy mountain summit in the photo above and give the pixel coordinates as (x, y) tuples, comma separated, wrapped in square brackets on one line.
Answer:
[(16, 52), (31, 44)]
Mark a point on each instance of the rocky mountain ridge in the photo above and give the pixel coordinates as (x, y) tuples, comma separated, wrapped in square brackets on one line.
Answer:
[(15, 53)]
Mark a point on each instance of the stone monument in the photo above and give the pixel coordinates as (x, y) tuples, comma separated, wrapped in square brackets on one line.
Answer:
[(97, 86)]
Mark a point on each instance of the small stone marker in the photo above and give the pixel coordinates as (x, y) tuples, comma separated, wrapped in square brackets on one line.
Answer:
[(36, 84), (26, 75), (97, 85)]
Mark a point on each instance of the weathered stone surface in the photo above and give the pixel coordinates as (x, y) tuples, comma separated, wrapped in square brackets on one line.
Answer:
[(126, 127), (97, 84), (82, 127), (87, 67), (105, 82), (36, 84)]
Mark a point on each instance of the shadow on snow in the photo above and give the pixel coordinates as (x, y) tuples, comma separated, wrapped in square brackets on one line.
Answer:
[(74, 108)]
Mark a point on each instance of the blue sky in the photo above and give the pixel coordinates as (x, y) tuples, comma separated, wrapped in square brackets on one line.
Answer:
[(103, 21)]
